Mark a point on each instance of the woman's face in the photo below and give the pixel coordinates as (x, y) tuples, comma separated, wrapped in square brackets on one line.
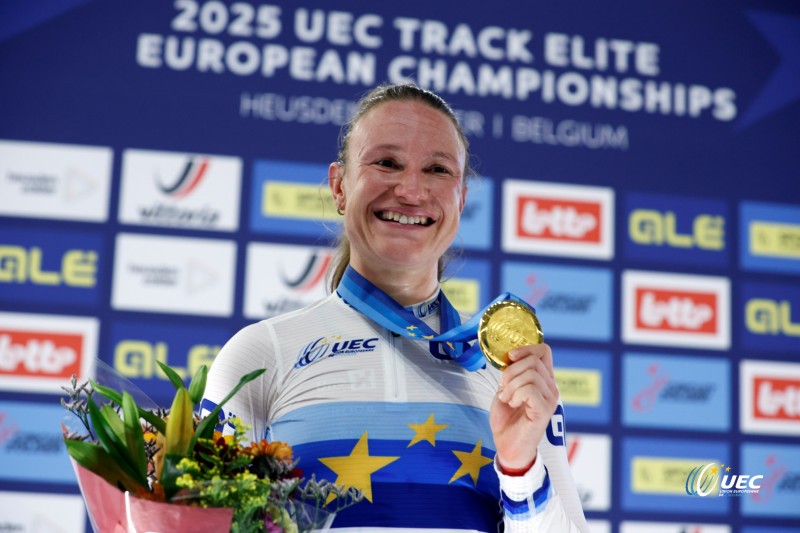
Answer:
[(401, 187)]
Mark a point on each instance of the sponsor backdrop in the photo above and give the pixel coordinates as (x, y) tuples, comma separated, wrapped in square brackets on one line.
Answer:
[(162, 184)]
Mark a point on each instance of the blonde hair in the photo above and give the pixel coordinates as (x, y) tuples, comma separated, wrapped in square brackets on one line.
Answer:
[(379, 95)]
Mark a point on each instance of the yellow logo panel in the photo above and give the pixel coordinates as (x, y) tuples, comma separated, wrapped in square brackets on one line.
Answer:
[(775, 240), (299, 201), (662, 475), (464, 294), (579, 386)]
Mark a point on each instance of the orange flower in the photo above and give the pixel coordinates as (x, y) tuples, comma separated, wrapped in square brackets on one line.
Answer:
[(278, 450)]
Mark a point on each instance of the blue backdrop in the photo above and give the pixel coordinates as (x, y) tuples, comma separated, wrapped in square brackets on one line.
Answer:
[(160, 165)]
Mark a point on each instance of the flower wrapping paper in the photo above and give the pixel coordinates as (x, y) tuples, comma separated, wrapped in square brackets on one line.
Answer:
[(114, 511)]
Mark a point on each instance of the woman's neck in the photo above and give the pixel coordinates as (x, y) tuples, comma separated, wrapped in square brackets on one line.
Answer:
[(406, 287)]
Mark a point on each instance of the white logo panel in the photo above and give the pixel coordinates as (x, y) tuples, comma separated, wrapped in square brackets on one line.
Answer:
[(174, 275), (180, 190), (590, 462), (282, 278), (55, 181), (599, 526), (40, 353), (556, 219), (770, 397), (671, 527), (32, 512), (675, 310)]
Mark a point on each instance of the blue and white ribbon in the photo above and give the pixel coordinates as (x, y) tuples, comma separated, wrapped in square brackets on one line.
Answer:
[(454, 341)]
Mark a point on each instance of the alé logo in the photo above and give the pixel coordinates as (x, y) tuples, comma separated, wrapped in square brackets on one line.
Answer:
[(332, 346), (765, 316), (717, 480), (663, 387), (188, 179), (559, 219)]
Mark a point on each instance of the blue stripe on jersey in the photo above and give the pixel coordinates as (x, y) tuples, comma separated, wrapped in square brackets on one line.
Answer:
[(411, 505), (421, 463), (520, 510), (383, 420)]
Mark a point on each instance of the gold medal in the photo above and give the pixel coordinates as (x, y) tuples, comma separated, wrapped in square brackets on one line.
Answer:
[(506, 325)]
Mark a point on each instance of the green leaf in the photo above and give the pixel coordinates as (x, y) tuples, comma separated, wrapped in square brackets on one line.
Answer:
[(198, 385), (113, 421), (96, 459), (116, 397), (134, 436), (170, 473), (205, 429), (173, 376), (111, 443)]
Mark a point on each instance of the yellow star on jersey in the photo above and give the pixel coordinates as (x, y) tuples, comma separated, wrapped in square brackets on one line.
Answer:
[(471, 463), (426, 431), (355, 470)]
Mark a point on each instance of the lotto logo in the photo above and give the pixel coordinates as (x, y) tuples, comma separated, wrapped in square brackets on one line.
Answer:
[(25, 353), (770, 397), (777, 398), (39, 353), (677, 310), (559, 219), (553, 219)]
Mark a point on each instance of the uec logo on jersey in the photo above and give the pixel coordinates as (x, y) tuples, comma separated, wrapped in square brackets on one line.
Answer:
[(333, 346)]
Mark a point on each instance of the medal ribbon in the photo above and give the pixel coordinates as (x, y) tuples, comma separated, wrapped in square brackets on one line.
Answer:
[(372, 302)]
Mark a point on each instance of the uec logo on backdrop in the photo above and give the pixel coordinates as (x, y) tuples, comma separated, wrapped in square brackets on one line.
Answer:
[(703, 480)]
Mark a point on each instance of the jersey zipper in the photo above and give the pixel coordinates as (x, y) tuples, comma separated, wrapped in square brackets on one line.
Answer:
[(391, 380)]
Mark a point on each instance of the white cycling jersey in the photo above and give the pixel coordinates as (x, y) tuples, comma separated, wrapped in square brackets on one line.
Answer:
[(364, 407)]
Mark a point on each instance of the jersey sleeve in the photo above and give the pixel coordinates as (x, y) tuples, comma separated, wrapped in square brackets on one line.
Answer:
[(252, 348), (545, 497)]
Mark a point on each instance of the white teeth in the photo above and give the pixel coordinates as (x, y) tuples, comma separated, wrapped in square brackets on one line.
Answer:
[(403, 219)]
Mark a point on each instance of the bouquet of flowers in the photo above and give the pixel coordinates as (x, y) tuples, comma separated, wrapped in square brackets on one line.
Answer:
[(162, 470)]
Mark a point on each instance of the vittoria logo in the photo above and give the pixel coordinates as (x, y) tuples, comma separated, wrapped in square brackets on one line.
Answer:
[(283, 277), (770, 397), (311, 275), (188, 179), (333, 346), (673, 309), (554, 219), (180, 190)]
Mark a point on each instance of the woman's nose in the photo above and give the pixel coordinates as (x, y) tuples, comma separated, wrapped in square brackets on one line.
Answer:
[(411, 187)]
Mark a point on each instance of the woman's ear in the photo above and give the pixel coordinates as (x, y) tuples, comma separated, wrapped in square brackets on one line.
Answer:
[(336, 184)]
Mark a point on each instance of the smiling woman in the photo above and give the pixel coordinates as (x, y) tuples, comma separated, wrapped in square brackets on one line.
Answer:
[(432, 418)]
